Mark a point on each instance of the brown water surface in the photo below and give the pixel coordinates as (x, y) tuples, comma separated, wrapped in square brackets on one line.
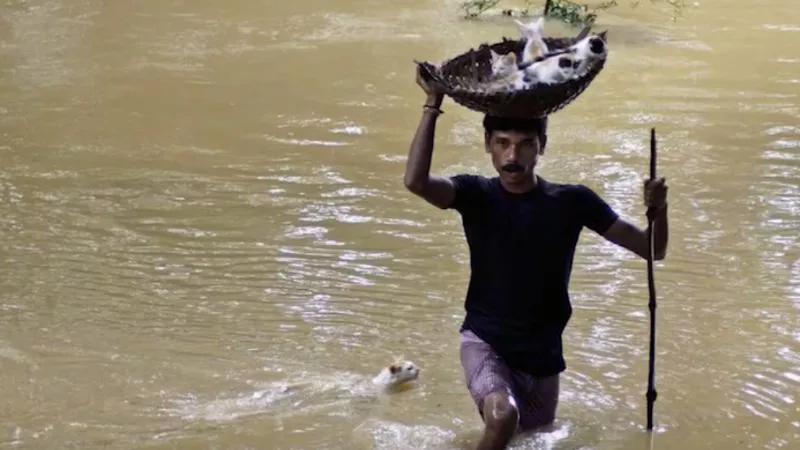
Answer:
[(205, 240)]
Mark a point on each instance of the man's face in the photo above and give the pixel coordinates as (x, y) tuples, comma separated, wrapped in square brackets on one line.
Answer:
[(514, 155)]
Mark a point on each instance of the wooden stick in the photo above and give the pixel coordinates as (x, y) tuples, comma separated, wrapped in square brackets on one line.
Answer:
[(651, 389)]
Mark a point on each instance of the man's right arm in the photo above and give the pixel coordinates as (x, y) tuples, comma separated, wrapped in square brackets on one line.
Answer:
[(438, 191)]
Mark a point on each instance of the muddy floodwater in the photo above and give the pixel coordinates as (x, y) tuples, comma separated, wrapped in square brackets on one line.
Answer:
[(205, 242)]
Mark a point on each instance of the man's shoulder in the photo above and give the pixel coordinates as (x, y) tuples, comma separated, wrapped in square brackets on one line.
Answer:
[(564, 190), (579, 196), (471, 191), (465, 179)]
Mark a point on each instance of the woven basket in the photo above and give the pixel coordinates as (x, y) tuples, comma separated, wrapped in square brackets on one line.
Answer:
[(461, 79)]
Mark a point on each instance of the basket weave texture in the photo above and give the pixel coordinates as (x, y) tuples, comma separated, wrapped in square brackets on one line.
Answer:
[(463, 79)]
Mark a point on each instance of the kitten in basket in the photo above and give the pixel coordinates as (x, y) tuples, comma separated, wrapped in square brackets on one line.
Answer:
[(508, 72), (396, 376), (533, 33)]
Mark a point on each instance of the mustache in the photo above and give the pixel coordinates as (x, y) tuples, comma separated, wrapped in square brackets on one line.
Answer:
[(512, 167)]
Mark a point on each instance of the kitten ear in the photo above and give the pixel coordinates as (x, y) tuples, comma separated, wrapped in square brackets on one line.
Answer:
[(521, 26), (495, 55), (393, 369)]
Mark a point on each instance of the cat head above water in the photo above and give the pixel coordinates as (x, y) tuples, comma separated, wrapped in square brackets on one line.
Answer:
[(397, 373), (403, 371)]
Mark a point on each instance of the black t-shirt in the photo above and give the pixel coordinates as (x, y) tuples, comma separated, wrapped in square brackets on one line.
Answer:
[(521, 249)]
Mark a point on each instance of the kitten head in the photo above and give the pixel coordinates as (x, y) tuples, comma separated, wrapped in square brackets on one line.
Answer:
[(503, 65), (401, 372), (592, 47), (532, 29)]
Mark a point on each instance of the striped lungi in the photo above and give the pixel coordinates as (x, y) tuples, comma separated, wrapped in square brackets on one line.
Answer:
[(485, 372)]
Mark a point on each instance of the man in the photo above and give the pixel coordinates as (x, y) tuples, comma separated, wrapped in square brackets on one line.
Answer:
[(521, 231)]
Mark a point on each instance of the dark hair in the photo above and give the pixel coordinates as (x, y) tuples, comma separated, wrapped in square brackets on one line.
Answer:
[(536, 125)]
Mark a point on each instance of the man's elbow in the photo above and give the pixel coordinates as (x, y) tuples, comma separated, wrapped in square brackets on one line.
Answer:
[(414, 185)]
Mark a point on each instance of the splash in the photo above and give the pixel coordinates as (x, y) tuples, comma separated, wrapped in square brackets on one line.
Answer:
[(301, 394)]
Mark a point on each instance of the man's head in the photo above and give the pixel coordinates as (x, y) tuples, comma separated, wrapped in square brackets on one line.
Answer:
[(515, 146)]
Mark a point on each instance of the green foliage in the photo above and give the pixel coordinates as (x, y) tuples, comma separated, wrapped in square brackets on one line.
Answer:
[(474, 8), (575, 13), (678, 6), (564, 10)]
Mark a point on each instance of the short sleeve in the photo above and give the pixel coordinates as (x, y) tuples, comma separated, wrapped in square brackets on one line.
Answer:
[(469, 192), (595, 213)]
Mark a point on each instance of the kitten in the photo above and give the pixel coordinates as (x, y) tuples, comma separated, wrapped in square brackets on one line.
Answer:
[(532, 32), (396, 374), (505, 74), (555, 69), (503, 65), (589, 49)]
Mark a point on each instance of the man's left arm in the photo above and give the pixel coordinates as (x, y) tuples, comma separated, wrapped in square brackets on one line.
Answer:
[(628, 235), (633, 238)]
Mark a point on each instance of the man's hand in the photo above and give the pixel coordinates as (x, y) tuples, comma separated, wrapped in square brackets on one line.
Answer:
[(655, 194), (434, 97)]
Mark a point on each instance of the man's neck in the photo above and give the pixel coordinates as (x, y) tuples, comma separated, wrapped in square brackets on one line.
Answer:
[(523, 187)]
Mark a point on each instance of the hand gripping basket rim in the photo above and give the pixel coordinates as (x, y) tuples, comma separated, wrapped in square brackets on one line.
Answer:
[(460, 77)]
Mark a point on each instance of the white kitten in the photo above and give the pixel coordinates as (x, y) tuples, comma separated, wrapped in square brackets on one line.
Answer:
[(589, 49), (503, 65), (555, 69), (505, 73), (532, 32), (396, 374)]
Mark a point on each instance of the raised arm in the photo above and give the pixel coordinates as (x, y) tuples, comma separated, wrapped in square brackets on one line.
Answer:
[(438, 191)]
